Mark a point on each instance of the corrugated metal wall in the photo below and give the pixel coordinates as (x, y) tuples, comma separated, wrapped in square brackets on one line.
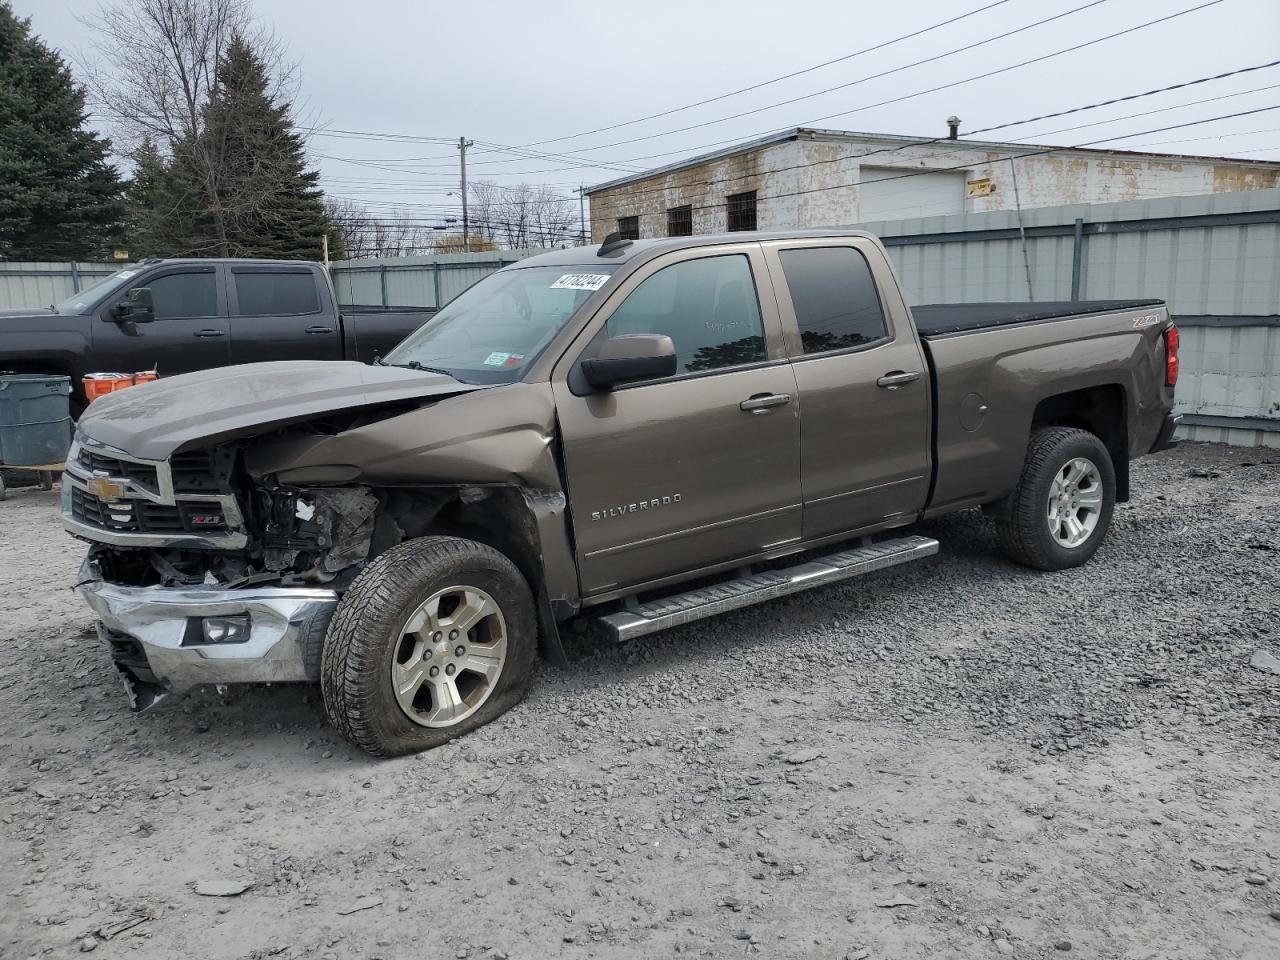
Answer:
[(1215, 259), (416, 281), (43, 284), (393, 282)]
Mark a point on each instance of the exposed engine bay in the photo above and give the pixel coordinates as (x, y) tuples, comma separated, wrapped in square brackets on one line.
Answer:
[(295, 535)]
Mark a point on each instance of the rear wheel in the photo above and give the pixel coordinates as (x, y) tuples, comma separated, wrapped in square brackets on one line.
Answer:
[(1058, 514), (435, 638)]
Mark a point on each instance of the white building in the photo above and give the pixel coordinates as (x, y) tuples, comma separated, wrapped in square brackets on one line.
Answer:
[(805, 178)]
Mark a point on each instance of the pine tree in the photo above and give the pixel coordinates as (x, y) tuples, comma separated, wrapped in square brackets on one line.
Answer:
[(59, 197), (167, 215), (264, 202)]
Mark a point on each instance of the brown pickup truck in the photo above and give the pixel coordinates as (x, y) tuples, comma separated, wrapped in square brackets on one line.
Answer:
[(637, 436)]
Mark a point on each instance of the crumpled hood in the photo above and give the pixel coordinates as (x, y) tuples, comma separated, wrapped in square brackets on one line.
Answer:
[(155, 419)]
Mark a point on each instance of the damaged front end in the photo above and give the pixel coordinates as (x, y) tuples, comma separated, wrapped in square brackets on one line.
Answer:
[(223, 559), (199, 573)]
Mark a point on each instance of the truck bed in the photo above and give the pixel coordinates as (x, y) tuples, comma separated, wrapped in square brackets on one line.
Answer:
[(937, 319)]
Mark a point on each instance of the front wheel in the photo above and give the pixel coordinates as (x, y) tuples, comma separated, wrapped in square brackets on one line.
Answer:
[(435, 638), (1058, 514)]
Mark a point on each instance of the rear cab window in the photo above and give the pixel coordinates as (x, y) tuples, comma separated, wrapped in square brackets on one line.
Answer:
[(834, 295), (261, 293)]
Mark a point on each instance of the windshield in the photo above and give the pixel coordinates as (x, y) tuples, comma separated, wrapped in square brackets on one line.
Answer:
[(491, 333), (82, 301)]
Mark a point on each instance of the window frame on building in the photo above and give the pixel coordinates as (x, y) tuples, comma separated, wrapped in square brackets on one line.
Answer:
[(680, 221), (629, 227), (741, 211)]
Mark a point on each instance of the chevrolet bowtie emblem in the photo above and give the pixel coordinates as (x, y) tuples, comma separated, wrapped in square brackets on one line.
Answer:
[(104, 489)]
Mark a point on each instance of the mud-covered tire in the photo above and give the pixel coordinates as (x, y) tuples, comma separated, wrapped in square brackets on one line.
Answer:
[(364, 638), (1022, 519)]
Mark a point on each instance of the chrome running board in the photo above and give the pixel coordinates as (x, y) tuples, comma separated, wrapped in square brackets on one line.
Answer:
[(755, 588)]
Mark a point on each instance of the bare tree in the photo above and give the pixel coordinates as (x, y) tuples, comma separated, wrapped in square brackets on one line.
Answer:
[(155, 74), (522, 216), (486, 198), (366, 234), (157, 63)]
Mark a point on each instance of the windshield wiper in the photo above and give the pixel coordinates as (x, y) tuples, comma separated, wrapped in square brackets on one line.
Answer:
[(415, 365)]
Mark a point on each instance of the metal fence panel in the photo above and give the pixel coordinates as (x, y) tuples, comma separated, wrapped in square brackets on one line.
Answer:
[(1215, 259), (43, 284), (416, 281)]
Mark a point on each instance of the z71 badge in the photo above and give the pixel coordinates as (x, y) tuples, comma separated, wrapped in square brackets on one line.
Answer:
[(1146, 320)]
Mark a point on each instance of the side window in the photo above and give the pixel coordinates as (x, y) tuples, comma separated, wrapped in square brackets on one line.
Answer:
[(180, 296), (836, 303), (708, 307), (275, 294)]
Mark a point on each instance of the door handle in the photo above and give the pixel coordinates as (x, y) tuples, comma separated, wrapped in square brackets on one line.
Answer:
[(764, 402), (206, 334), (898, 378), (319, 329)]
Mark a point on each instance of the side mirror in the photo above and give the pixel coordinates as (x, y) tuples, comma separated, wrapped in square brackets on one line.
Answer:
[(136, 307), (643, 356)]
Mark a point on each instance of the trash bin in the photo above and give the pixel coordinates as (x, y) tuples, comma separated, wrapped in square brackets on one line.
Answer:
[(35, 419)]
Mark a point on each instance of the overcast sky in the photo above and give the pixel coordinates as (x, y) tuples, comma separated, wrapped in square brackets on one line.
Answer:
[(524, 73)]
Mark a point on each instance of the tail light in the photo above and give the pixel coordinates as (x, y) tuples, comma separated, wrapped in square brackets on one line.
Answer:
[(1171, 340)]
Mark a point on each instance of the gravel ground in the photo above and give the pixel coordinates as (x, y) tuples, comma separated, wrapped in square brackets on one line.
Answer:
[(956, 759)]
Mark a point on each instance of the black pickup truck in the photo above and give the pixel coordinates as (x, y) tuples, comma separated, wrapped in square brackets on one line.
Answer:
[(176, 316)]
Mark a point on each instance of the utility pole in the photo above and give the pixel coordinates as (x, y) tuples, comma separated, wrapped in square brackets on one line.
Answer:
[(582, 217), (463, 143)]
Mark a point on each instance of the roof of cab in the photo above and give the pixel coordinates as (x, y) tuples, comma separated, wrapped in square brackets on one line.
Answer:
[(587, 255)]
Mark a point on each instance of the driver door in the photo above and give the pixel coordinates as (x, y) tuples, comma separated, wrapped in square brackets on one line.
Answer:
[(189, 331), (677, 475)]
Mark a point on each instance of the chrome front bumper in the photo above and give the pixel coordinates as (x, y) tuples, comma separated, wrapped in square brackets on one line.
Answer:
[(149, 631)]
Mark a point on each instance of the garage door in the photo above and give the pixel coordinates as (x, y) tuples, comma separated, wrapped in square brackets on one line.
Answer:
[(886, 194)]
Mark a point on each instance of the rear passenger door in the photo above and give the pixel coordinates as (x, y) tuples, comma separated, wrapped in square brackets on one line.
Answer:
[(280, 312), (863, 383)]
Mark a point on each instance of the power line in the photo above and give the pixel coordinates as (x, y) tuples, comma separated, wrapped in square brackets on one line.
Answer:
[(573, 156), (327, 132), (765, 83), (1136, 96), (1020, 156), (929, 141), (1147, 113), (851, 83), (978, 76)]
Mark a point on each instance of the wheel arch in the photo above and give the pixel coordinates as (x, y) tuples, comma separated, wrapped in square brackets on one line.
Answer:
[(524, 524), (1100, 409)]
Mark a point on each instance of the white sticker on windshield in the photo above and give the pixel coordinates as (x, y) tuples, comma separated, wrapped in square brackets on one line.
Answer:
[(581, 281), (496, 359), (126, 274)]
